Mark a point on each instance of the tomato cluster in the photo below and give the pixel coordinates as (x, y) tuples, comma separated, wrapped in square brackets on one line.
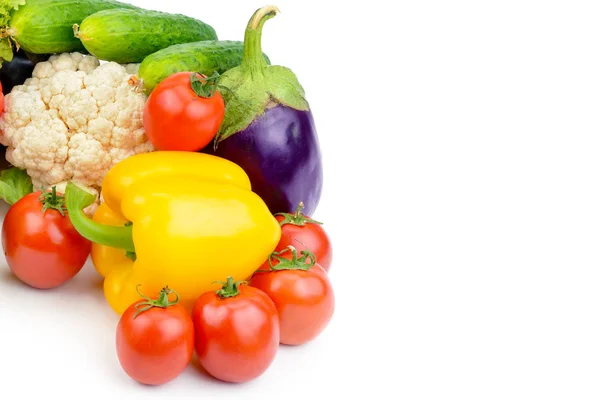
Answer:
[(235, 331)]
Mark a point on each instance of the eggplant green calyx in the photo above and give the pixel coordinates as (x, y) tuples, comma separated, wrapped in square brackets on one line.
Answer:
[(253, 86), (230, 288), (306, 261), (162, 301), (297, 218), (7, 42), (52, 201), (77, 199)]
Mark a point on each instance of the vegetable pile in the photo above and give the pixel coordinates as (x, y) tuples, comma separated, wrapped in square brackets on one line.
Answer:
[(186, 167)]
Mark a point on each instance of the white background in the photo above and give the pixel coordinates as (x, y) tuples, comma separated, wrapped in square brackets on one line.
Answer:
[(461, 151)]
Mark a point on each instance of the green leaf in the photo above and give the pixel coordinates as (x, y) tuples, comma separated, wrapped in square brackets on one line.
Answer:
[(17, 3), (6, 51), (6, 7), (14, 184)]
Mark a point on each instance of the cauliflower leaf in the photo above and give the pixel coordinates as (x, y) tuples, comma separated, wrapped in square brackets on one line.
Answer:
[(6, 51), (14, 185)]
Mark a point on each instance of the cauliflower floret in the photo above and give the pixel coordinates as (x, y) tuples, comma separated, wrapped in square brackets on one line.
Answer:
[(73, 120)]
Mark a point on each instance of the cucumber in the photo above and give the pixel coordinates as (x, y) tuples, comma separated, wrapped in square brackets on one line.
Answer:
[(128, 36), (46, 26), (204, 57)]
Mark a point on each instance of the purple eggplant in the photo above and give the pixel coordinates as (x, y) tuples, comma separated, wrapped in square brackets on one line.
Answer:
[(268, 128), (19, 69)]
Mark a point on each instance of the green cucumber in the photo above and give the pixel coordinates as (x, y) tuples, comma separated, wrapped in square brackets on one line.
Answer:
[(206, 57), (46, 26), (128, 36)]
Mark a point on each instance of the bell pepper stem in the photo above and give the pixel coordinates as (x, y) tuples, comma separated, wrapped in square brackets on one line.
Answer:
[(77, 199), (253, 60)]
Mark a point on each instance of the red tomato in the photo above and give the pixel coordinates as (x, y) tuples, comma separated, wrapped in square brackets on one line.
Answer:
[(304, 233), (42, 247), (178, 117), (237, 332), (155, 339), (302, 293), (1, 100)]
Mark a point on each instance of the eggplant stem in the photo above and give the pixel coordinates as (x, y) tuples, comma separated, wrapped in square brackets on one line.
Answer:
[(253, 60)]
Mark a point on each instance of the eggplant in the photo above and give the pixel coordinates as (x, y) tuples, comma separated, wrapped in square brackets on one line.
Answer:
[(268, 128), (19, 69)]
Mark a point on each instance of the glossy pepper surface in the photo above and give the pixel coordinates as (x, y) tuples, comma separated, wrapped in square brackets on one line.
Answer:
[(177, 219)]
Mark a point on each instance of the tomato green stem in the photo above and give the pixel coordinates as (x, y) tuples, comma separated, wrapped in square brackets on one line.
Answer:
[(297, 218), (229, 288), (77, 199), (52, 201), (204, 87), (295, 263), (161, 302), (253, 60)]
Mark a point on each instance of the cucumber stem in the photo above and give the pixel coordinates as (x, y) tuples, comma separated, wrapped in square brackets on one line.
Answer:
[(253, 60), (76, 31), (7, 32)]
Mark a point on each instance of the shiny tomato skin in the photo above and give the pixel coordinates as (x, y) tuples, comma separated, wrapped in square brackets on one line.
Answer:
[(177, 119), (156, 346), (237, 338), (304, 299), (42, 249), (311, 237)]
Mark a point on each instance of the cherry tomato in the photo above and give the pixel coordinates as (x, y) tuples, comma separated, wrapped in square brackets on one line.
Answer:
[(301, 291), (155, 339), (183, 112), (41, 246), (302, 232), (237, 332)]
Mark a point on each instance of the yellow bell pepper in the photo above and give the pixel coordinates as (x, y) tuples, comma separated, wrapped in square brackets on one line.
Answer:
[(178, 219)]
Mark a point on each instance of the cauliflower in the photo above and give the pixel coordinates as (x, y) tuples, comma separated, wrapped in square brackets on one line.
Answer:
[(73, 120)]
